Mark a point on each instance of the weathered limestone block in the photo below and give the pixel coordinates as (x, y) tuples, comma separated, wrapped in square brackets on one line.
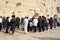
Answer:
[(24, 8)]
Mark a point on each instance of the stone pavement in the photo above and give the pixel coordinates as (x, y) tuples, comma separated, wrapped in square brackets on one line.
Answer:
[(53, 34)]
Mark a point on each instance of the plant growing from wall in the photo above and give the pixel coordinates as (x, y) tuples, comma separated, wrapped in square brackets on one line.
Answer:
[(55, 16), (13, 12), (6, 2), (36, 14), (18, 4), (48, 15), (43, 4)]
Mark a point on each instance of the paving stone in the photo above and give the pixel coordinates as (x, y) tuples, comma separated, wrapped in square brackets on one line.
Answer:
[(53, 34)]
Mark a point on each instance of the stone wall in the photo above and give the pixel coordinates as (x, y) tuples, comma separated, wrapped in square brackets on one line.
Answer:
[(58, 5), (24, 8)]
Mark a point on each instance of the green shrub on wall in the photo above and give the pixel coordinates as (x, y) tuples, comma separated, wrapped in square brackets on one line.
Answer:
[(18, 4), (36, 14)]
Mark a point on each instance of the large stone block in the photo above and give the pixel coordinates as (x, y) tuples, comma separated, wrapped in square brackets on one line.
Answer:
[(27, 7)]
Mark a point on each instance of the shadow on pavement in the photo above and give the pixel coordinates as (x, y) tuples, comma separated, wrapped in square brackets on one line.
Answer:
[(19, 32), (3, 31), (47, 38)]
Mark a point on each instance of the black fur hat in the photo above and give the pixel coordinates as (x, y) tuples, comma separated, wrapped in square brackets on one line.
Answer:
[(13, 16)]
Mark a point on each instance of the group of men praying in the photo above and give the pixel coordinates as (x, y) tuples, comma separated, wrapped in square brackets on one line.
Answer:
[(33, 24)]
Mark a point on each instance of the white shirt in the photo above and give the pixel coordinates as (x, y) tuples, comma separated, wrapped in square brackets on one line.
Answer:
[(9, 19), (35, 21), (47, 20), (25, 21), (0, 20), (31, 24)]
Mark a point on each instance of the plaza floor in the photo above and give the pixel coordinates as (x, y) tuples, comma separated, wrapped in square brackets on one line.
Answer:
[(53, 34)]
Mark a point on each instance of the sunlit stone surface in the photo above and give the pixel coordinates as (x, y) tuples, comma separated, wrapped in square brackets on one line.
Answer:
[(27, 7), (53, 34)]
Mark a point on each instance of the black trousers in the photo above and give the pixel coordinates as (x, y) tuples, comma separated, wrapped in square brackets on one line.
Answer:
[(39, 28), (17, 25), (34, 28), (43, 27), (55, 24), (13, 28), (46, 26), (0, 26), (4, 25), (51, 26), (7, 29), (30, 28)]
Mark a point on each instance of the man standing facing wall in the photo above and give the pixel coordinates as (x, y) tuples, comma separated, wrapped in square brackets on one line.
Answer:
[(25, 22)]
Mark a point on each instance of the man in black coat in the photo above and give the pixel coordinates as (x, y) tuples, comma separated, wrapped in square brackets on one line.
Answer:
[(51, 22), (4, 19), (39, 24), (17, 22), (43, 23), (55, 22), (7, 24), (46, 23), (13, 23)]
